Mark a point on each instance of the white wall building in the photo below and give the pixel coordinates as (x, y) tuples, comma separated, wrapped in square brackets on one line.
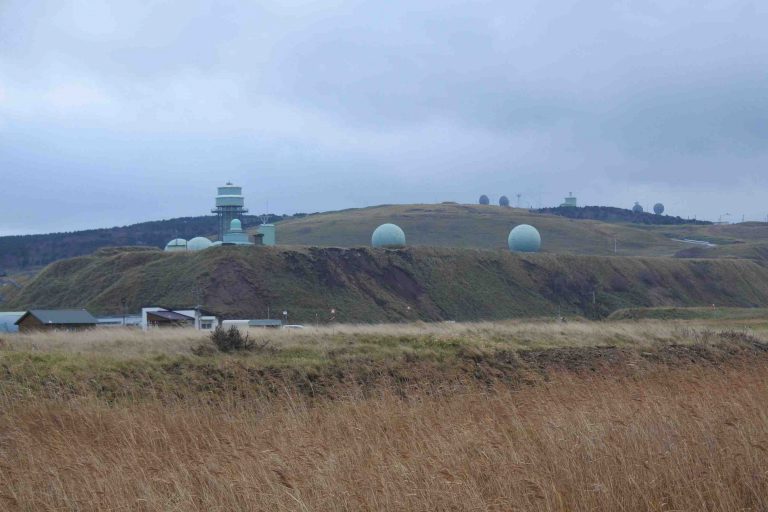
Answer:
[(199, 318)]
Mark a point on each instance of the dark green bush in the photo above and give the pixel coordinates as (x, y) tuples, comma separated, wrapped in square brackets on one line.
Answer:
[(232, 340)]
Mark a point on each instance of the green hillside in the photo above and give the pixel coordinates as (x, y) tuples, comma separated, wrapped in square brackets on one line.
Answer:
[(487, 227), (441, 225), (367, 285)]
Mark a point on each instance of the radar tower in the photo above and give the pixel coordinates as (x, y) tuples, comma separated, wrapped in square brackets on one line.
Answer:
[(230, 205)]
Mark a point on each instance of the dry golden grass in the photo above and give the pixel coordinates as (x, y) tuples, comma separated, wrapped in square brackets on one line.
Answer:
[(683, 439), (637, 434), (119, 343)]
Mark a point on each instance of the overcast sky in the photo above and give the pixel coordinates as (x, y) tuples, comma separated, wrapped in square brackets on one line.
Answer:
[(118, 112)]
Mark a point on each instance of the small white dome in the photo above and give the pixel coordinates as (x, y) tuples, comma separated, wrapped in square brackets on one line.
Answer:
[(176, 245)]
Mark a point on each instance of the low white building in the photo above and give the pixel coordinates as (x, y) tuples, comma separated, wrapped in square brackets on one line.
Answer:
[(247, 324), (156, 317), (118, 321)]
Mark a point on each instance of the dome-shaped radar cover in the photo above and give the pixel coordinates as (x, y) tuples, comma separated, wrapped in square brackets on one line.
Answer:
[(484, 199), (524, 238), (658, 208), (176, 245), (198, 244), (388, 236), (503, 201)]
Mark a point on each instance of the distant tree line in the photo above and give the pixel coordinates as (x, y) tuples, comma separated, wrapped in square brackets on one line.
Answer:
[(612, 214), (23, 251)]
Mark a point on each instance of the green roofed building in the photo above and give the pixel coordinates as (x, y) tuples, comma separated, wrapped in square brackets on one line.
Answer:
[(56, 319)]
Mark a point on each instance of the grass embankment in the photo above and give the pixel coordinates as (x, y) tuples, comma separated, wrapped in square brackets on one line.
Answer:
[(628, 416), (365, 285), (117, 364), (744, 317)]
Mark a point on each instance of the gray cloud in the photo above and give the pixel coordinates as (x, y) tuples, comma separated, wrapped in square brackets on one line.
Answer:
[(113, 112)]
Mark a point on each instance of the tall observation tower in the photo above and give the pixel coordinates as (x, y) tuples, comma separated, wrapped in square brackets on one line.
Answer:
[(229, 205)]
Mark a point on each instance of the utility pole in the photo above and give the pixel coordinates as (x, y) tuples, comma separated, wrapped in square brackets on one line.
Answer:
[(518, 200), (123, 302), (198, 293)]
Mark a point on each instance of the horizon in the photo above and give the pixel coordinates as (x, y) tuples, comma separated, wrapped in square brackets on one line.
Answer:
[(290, 215)]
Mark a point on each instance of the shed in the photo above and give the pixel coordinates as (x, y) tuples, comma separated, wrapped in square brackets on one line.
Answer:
[(55, 319)]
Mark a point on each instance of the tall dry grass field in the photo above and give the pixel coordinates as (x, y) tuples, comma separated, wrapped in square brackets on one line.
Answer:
[(119, 343), (693, 438)]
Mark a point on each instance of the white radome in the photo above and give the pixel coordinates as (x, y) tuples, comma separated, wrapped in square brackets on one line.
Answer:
[(176, 245), (198, 244)]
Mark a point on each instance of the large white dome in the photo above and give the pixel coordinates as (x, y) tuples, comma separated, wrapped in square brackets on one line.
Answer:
[(199, 243), (389, 236), (524, 238)]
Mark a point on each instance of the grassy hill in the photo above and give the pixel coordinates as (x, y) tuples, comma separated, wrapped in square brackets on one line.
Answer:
[(487, 227), (744, 240), (440, 225), (367, 285), (471, 226)]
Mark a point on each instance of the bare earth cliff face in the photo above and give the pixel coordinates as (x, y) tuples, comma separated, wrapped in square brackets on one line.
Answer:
[(366, 285)]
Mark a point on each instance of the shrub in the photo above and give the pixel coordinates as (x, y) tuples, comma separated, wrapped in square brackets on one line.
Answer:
[(232, 340)]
